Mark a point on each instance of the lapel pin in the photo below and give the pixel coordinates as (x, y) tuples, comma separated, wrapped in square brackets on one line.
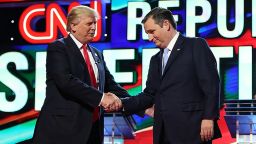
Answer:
[(178, 49), (95, 54)]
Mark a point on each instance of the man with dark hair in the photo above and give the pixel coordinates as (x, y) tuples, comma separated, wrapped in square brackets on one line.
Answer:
[(182, 84)]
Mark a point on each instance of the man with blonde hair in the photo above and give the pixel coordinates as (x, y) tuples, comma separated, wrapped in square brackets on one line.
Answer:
[(77, 79)]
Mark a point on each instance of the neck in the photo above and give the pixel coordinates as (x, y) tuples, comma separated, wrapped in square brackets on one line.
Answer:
[(173, 34), (80, 39)]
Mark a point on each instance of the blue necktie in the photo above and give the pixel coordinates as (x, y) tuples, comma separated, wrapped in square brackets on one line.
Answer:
[(165, 58)]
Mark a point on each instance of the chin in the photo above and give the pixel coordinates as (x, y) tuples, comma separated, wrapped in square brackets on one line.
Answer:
[(159, 46), (90, 39)]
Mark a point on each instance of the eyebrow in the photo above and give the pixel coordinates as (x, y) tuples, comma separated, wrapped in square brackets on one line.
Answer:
[(149, 30)]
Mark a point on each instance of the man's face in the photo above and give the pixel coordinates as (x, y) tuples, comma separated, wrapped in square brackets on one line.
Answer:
[(84, 31), (156, 33)]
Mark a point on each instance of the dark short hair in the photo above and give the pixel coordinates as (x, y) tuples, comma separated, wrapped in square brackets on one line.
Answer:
[(159, 15)]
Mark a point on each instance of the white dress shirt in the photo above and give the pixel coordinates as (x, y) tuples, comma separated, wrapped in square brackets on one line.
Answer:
[(94, 66), (171, 44)]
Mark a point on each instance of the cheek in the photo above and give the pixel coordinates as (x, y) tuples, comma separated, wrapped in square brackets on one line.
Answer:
[(79, 29), (157, 35), (87, 29), (84, 29)]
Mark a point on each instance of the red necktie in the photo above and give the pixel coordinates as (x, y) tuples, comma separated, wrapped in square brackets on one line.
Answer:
[(93, 79)]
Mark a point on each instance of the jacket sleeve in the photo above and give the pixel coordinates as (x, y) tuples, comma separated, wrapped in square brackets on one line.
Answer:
[(208, 78), (59, 71), (144, 99)]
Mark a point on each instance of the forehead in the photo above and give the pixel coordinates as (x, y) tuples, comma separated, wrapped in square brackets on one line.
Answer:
[(150, 25), (88, 18)]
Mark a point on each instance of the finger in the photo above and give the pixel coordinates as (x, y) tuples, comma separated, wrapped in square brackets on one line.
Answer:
[(210, 134), (118, 104), (203, 135), (114, 107), (104, 105), (111, 102), (107, 110), (110, 109)]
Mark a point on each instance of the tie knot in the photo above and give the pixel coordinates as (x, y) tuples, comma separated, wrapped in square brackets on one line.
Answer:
[(166, 50), (84, 46)]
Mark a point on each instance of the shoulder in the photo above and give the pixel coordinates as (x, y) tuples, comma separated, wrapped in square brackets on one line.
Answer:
[(57, 42), (156, 56), (197, 40), (57, 45), (98, 52), (95, 49)]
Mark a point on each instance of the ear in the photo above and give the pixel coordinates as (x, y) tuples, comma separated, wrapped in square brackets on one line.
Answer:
[(73, 27), (166, 25)]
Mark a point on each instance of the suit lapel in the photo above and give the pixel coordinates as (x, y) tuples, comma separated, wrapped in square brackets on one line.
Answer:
[(100, 66), (94, 55), (175, 52), (160, 59), (78, 55), (75, 50)]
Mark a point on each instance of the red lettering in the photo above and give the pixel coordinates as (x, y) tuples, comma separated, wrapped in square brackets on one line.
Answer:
[(55, 20)]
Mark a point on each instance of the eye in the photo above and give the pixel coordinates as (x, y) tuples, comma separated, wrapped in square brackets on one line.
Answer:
[(88, 24), (151, 31)]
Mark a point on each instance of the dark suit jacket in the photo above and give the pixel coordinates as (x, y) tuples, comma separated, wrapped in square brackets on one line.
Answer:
[(186, 93), (67, 114)]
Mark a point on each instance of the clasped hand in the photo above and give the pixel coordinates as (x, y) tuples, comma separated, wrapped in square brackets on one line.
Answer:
[(111, 102)]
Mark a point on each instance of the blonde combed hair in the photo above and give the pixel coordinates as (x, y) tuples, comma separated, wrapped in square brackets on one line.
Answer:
[(74, 16)]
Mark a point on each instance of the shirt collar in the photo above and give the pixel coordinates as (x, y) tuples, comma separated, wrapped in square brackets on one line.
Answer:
[(78, 44), (173, 41)]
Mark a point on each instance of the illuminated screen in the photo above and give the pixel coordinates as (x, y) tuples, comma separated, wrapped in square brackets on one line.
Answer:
[(27, 27)]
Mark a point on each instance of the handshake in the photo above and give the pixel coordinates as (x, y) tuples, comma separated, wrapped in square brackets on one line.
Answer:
[(111, 102)]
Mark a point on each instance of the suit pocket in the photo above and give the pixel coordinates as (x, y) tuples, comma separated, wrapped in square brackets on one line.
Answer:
[(192, 107), (64, 121)]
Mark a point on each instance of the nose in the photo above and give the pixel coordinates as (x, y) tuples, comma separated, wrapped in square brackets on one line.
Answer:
[(94, 26), (150, 37)]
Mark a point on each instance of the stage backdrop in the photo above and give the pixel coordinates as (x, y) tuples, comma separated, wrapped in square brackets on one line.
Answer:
[(229, 26)]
